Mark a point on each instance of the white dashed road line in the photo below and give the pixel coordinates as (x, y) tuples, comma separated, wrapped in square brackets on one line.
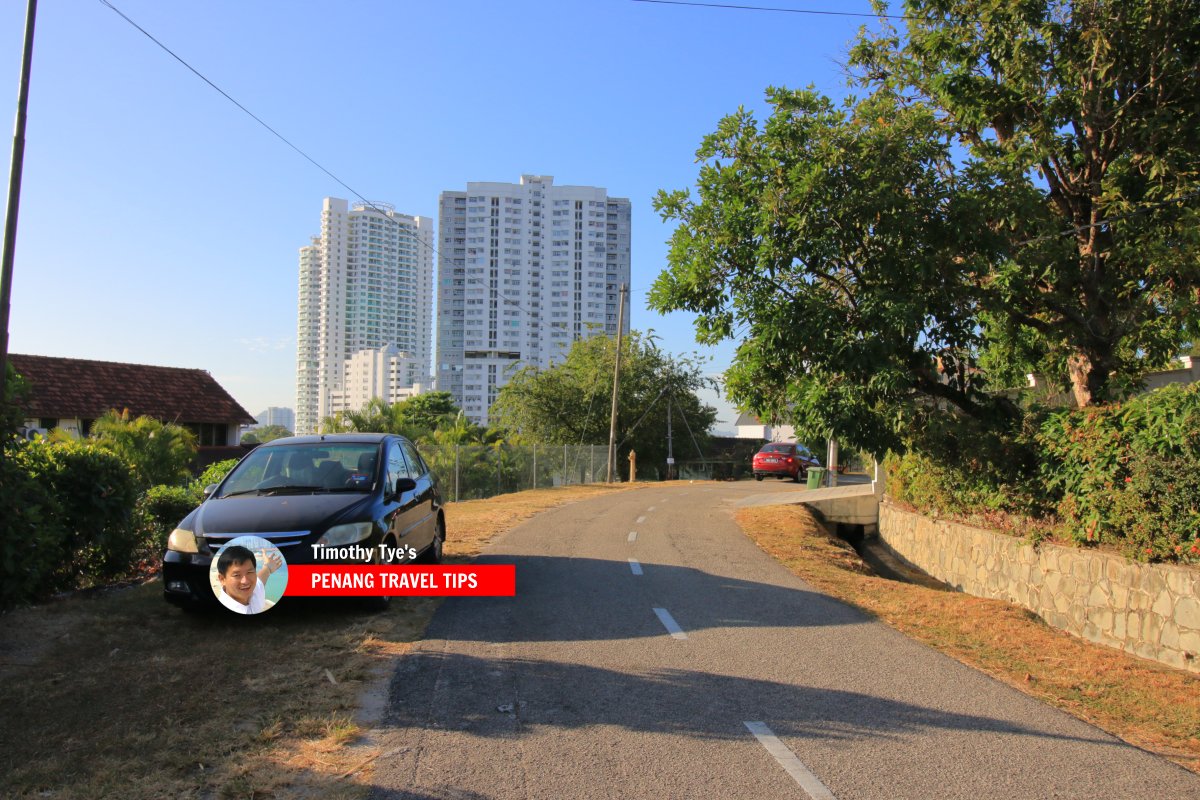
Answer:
[(641, 519), (670, 624), (633, 536), (635, 567), (810, 783), (651, 508)]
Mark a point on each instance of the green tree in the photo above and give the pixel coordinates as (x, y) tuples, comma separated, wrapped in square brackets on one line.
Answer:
[(415, 417), (830, 242), (569, 403), (1087, 116), (429, 411), (157, 452), (264, 434), (377, 416), (891, 263), (12, 413)]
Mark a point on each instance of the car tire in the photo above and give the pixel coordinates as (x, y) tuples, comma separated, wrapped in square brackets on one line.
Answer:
[(799, 477), (433, 554), (757, 477), (383, 602)]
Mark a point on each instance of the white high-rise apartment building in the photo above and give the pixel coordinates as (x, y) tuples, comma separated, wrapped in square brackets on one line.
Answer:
[(366, 282), (386, 372), (523, 271)]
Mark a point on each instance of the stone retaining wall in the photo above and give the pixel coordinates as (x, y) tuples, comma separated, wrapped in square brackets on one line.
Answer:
[(1151, 610)]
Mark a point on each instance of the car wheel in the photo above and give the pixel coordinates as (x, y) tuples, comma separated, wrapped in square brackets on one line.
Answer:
[(381, 602), (799, 476), (758, 477), (433, 553)]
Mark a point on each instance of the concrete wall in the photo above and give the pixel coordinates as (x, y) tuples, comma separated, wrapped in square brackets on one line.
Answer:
[(1151, 610)]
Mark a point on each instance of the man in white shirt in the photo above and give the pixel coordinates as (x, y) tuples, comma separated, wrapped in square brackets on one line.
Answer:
[(242, 586)]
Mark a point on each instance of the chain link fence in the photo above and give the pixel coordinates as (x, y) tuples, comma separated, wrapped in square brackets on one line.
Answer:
[(472, 472)]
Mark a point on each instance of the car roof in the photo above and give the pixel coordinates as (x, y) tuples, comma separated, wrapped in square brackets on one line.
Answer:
[(333, 438)]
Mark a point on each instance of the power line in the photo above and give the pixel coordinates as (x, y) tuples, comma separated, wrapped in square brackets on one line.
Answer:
[(809, 11), (293, 146)]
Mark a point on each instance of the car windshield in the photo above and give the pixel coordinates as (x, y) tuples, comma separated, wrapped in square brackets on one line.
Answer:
[(323, 467), (777, 448)]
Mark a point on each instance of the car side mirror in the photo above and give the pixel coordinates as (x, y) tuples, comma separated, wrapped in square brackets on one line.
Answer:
[(404, 485), (208, 490)]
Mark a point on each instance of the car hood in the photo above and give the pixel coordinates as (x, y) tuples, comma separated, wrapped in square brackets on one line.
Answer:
[(292, 512)]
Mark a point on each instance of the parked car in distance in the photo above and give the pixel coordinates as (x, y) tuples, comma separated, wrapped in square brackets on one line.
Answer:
[(783, 460), (336, 490)]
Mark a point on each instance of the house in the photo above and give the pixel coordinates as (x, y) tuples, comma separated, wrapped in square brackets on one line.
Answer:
[(751, 427), (71, 393)]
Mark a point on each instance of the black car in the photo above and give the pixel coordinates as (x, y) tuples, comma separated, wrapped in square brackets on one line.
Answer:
[(338, 490)]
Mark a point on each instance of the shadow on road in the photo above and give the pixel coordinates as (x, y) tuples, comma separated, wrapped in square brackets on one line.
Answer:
[(578, 599), (460, 692)]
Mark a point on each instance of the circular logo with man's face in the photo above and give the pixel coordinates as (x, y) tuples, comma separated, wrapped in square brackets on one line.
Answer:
[(248, 575)]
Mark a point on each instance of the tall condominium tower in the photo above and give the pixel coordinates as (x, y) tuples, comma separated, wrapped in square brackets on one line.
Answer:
[(365, 283), (523, 271)]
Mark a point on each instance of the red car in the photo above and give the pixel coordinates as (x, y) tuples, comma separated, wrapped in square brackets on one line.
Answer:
[(783, 460)]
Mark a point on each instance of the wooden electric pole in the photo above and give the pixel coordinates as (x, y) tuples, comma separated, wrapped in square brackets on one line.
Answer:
[(14, 199), (612, 420)]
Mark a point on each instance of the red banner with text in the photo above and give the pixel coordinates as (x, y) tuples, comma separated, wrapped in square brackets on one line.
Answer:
[(354, 580)]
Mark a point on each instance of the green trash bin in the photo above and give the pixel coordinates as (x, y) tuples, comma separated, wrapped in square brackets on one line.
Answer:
[(815, 474)]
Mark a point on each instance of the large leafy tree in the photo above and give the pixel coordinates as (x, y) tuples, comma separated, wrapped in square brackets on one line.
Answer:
[(569, 403), (898, 259), (830, 242), (430, 411), (1087, 114)]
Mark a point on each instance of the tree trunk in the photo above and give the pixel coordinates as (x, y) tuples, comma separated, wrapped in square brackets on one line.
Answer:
[(1079, 367)]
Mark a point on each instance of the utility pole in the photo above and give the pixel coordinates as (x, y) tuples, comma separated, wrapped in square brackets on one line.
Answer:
[(670, 451), (612, 420), (14, 198)]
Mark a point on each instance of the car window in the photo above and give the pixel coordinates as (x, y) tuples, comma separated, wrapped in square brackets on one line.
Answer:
[(396, 466), (415, 464), (777, 448), (335, 466)]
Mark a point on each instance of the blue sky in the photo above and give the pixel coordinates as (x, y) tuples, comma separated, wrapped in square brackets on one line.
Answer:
[(160, 225)]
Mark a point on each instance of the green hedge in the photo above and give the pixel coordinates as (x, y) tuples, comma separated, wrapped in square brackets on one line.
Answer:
[(213, 473), (1127, 475), (160, 509), (68, 509), (33, 546)]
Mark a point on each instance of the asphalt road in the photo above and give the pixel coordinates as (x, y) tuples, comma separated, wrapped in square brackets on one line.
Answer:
[(579, 687)]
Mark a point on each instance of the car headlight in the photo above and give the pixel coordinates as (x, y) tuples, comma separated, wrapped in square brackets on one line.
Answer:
[(182, 541), (347, 534)]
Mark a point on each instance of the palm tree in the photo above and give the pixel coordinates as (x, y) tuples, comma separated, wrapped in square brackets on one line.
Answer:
[(157, 452)]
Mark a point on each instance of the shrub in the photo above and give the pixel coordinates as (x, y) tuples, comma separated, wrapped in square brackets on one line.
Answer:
[(68, 511), (1155, 512), (97, 494), (968, 470), (160, 509), (33, 549), (213, 473), (1096, 460)]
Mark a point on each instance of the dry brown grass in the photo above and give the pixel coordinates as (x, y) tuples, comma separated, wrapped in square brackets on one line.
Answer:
[(1148, 705), (118, 694)]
